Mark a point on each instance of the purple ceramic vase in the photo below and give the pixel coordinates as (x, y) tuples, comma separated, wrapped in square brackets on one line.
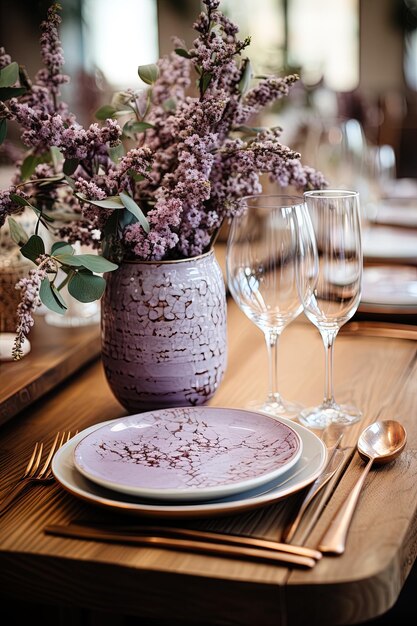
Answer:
[(164, 332)]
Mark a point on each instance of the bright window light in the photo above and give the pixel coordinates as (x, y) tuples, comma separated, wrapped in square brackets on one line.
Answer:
[(120, 36), (410, 60), (324, 41), (265, 26), (323, 37)]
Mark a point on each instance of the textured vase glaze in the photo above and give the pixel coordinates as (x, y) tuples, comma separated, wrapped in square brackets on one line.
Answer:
[(164, 332)]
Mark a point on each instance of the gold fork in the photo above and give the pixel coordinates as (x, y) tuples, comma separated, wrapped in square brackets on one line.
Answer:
[(35, 473)]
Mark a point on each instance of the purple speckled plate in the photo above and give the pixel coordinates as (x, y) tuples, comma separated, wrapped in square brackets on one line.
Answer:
[(190, 453)]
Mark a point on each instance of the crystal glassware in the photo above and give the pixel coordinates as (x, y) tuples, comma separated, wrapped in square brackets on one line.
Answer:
[(330, 278), (261, 265)]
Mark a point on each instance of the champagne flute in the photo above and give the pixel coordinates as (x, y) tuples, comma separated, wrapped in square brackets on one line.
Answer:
[(261, 265), (330, 281)]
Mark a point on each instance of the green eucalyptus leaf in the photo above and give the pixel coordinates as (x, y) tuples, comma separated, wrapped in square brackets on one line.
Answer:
[(121, 100), (9, 75), (123, 112), (33, 248), (105, 112), (169, 105), (148, 73), (140, 127), (23, 202), (51, 180), (48, 180), (127, 130), (47, 294), (96, 263), (63, 247), (116, 152), (11, 92), (182, 52), (28, 166), (56, 156), (3, 129), (17, 233), (138, 178), (126, 218), (68, 259), (111, 202), (19, 200), (246, 77), (70, 165), (58, 296), (205, 81), (131, 206), (86, 287), (70, 182), (143, 103), (136, 127), (249, 130), (24, 78)]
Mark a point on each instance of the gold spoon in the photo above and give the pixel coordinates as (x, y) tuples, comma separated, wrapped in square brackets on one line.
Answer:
[(381, 442)]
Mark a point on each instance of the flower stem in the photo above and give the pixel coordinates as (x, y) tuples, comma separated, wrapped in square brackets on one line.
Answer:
[(66, 279)]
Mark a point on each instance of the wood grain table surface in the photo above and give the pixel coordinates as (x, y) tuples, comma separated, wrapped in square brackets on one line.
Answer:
[(379, 375), (56, 353)]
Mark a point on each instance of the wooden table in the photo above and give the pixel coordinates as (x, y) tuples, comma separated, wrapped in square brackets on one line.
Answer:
[(111, 581)]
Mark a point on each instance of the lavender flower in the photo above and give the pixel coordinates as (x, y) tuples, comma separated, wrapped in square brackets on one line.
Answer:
[(174, 79), (7, 206), (89, 189), (29, 286), (267, 91), (52, 54), (187, 170)]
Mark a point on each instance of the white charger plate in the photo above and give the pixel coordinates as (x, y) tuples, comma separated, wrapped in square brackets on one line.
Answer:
[(305, 471), (188, 453)]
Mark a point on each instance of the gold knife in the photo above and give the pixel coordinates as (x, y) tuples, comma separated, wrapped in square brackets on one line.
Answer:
[(201, 542)]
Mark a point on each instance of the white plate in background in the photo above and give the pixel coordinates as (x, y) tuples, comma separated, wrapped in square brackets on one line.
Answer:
[(390, 287), (382, 242), (397, 212)]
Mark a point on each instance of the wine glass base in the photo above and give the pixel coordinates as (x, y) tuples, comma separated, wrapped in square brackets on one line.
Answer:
[(276, 408), (322, 416)]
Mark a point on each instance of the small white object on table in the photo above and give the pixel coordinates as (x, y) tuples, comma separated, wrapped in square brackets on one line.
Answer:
[(6, 346)]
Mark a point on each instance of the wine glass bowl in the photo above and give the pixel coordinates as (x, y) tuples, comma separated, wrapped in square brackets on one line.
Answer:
[(261, 265), (331, 288)]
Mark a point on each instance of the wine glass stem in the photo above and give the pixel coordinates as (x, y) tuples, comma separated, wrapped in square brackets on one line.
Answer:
[(328, 340), (272, 347)]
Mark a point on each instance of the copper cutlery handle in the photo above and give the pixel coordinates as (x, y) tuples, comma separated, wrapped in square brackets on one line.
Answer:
[(334, 539), (203, 535), (330, 470), (188, 545)]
